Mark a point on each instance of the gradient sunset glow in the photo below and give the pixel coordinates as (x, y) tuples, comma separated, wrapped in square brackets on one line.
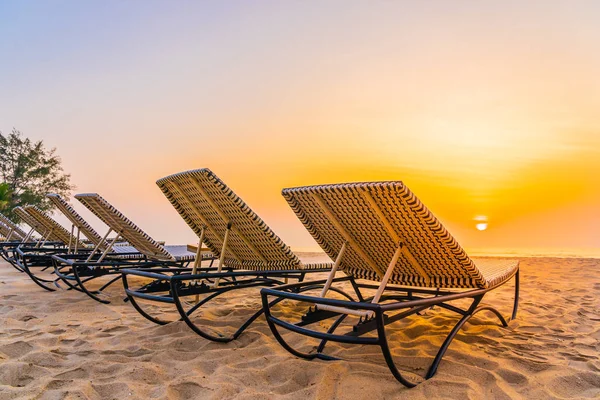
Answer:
[(488, 111)]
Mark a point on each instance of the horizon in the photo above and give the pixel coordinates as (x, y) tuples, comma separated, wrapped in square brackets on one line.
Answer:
[(487, 112)]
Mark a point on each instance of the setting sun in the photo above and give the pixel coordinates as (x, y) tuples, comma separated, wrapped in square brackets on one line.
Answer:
[(481, 226)]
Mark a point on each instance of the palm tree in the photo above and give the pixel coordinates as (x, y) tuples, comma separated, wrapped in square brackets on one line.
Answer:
[(5, 194)]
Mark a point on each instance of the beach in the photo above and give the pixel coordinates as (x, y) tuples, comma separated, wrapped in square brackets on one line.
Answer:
[(63, 345)]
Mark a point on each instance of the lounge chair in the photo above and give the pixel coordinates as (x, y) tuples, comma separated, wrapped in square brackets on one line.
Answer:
[(79, 225), (101, 247), (54, 230), (250, 254), (149, 253), (100, 244), (381, 232), (34, 258), (14, 236), (11, 231), (47, 236), (6, 234), (10, 237)]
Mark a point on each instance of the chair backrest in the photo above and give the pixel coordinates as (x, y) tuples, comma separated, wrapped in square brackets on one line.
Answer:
[(18, 232), (374, 219), (203, 200), (59, 233), (77, 220), (35, 224), (124, 227), (5, 232)]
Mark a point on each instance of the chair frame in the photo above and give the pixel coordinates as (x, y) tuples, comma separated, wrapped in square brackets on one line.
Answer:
[(403, 303)]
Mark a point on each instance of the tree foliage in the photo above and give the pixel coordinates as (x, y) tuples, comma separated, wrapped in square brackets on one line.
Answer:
[(30, 171), (4, 196)]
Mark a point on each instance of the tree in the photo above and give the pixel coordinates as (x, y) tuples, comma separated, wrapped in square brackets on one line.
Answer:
[(30, 171), (4, 196)]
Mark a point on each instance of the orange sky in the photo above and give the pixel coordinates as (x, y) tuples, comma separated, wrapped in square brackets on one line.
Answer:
[(483, 109)]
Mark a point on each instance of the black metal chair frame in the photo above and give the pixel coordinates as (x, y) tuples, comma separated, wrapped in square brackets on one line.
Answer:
[(171, 285), (75, 271), (22, 255), (31, 259), (401, 303), (7, 251)]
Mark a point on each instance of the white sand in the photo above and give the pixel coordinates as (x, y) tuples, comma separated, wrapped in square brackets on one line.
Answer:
[(64, 345)]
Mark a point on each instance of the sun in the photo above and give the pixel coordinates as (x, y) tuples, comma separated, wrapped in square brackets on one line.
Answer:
[(481, 222)]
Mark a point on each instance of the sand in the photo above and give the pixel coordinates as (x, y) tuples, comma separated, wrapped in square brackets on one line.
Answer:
[(63, 345)]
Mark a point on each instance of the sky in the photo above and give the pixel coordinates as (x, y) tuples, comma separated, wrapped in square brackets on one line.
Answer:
[(488, 111)]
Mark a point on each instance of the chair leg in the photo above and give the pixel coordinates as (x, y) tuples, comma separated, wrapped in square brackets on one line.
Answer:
[(185, 315), (356, 289), (516, 301), (307, 356), (62, 277), (438, 358), (139, 309), (37, 280), (81, 285), (331, 329), (385, 349)]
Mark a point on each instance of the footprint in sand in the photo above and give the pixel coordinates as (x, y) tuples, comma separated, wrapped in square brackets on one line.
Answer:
[(58, 384), (581, 384), (17, 349), (77, 373), (19, 374), (114, 390), (116, 329), (187, 390)]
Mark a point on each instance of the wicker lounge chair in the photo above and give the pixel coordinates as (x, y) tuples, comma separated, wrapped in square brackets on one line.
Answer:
[(100, 244), (149, 252), (11, 237), (78, 224), (250, 253), (14, 236), (54, 230), (10, 230), (7, 234), (100, 248), (382, 232), (36, 227), (35, 258)]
